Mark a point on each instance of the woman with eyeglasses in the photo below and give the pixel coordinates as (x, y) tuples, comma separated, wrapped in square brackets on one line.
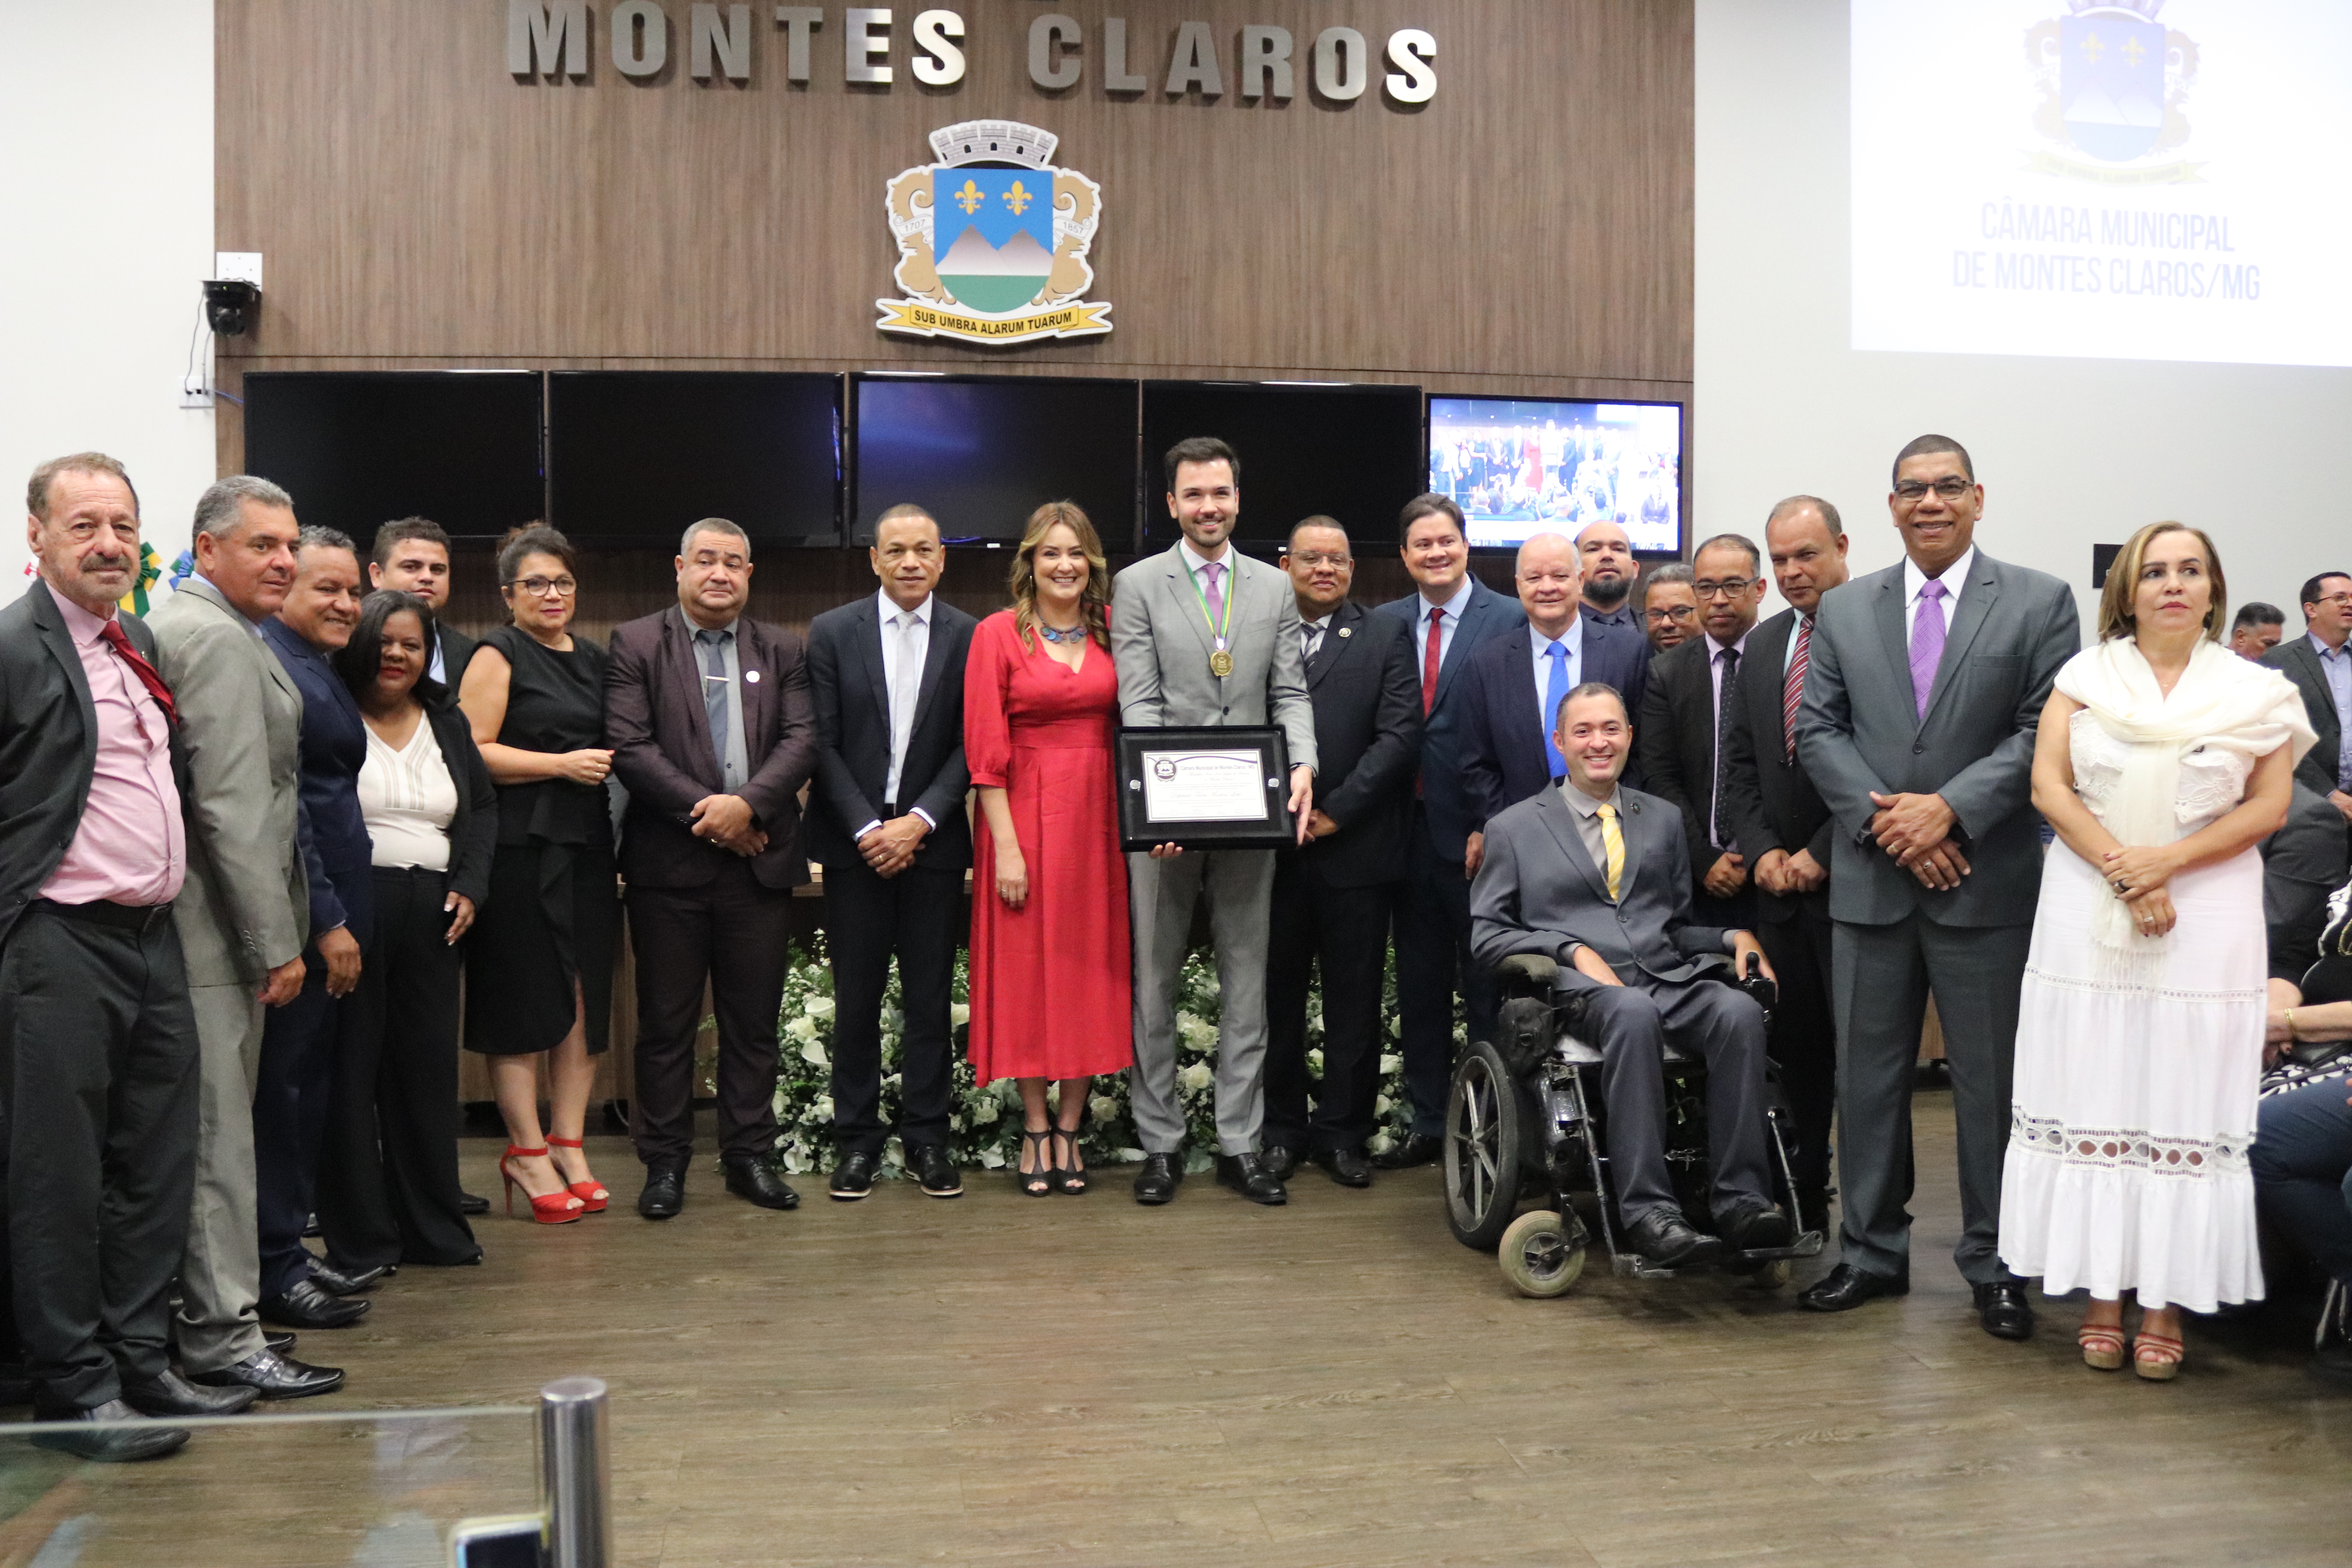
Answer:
[(543, 947)]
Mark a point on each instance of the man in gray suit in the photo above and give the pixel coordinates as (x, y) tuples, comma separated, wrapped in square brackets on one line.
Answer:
[(1597, 877), (244, 915), (1205, 636), (1926, 684)]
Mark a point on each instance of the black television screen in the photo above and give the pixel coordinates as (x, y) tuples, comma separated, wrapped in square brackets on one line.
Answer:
[(634, 455), (981, 453), (358, 448), (1353, 453), (1519, 467)]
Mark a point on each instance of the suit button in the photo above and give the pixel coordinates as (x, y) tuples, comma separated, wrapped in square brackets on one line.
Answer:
[(1227, 712), (1917, 747)]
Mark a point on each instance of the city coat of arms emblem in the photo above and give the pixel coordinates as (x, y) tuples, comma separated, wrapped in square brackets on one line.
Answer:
[(994, 240)]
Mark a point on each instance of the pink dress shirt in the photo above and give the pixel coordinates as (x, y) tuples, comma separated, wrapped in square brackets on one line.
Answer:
[(131, 847)]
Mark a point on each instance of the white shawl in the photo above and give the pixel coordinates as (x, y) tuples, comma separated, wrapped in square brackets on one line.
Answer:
[(2221, 699)]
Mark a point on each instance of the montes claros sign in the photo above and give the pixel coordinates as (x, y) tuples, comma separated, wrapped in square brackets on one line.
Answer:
[(551, 40)]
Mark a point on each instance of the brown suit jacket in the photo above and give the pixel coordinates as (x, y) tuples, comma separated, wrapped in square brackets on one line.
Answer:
[(660, 735)]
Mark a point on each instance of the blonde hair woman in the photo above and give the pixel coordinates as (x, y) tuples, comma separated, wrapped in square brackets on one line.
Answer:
[(1049, 934), (2162, 761)]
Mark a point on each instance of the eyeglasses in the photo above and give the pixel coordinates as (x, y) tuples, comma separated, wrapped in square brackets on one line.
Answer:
[(1951, 487), (1311, 559), (1729, 588), (2337, 601), (1678, 613), (540, 587)]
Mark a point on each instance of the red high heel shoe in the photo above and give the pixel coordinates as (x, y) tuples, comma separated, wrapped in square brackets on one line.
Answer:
[(592, 1195), (546, 1209)]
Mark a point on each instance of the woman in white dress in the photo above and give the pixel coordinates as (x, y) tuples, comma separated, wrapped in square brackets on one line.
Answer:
[(2162, 761)]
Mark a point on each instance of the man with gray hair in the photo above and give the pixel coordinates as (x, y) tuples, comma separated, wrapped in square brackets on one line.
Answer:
[(243, 918)]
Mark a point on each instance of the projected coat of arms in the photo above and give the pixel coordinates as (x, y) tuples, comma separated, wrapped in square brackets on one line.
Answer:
[(2114, 83), (993, 240)]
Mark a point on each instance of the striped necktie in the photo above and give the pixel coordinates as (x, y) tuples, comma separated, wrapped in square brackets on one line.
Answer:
[(1792, 687)]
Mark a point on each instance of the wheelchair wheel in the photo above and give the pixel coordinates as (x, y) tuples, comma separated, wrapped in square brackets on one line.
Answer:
[(1486, 1136), (1542, 1254)]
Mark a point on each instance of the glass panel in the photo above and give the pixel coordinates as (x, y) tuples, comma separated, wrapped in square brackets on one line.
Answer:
[(373, 1488)]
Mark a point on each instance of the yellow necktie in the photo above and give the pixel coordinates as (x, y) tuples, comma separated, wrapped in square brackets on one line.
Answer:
[(1613, 843)]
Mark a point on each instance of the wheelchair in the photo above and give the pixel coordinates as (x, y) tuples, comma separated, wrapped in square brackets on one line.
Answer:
[(1524, 1116)]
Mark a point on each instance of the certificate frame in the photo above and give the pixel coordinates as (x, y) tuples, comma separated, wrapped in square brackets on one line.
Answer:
[(1141, 754)]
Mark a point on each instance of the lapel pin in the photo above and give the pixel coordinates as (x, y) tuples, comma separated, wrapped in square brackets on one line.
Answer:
[(752, 677), (1347, 631)]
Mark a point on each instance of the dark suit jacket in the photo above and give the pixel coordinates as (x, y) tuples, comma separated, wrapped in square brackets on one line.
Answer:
[(473, 831), (457, 650), (2295, 659), (851, 701), (1674, 736), (1366, 691), (1503, 758), (48, 744), (1538, 891), (334, 748), (1443, 795), (1769, 802), (660, 735)]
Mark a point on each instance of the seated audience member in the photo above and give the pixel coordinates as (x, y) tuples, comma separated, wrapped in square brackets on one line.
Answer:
[(2302, 1156), (388, 1189), (412, 555), (2256, 629), (1669, 607), (1597, 877)]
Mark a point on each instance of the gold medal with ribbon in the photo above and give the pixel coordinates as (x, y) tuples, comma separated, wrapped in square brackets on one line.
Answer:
[(1221, 663)]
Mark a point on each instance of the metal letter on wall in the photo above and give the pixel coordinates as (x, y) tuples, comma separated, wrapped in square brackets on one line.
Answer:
[(1265, 51), (864, 36), (1047, 67), (1343, 64), (631, 56), (994, 240), (1414, 80), (1194, 62), (552, 39), (731, 44), (1117, 78), (939, 62), (798, 22)]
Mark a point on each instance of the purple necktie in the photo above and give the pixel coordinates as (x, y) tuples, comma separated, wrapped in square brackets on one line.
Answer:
[(1215, 571), (1927, 644)]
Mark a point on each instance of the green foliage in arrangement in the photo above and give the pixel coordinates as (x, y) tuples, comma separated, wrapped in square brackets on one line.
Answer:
[(985, 1125)]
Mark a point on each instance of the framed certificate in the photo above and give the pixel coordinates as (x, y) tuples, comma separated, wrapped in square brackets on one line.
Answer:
[(1204, 789)]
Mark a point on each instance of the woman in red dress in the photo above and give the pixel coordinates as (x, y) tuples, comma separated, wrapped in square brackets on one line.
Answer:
[(1049, 952)]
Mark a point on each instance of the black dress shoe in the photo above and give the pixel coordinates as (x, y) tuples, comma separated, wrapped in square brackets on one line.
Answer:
[(278, 1339), (1247, 1175), (750, 1176), (275, 1376), (1666, 1240), (1346, 1166), (473, 1202), (172, 1394), (1418, 1149), (1844, 1287), (1280, 1160), (105, 1446), (1156, 1183), (664, 1194), (335, 1282), (854, 1177), (936, 1173), (305, 1306), (2001, 1307), (1754, 1223)]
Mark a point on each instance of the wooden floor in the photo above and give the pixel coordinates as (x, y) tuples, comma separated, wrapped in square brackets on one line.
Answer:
[(999, 1380)]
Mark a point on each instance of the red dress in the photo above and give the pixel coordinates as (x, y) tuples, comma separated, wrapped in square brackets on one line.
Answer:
[(1050, 980)]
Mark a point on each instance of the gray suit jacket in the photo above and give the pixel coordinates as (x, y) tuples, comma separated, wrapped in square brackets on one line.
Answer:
[(1538, 891), (246, 906), (1159, 640), (2295, 659), (1860, 730)]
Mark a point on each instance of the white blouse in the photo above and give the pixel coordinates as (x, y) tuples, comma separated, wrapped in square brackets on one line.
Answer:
[(409, 799)]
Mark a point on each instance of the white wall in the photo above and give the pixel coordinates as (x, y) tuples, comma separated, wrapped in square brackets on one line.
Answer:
[(2071, 452), (108, 175)]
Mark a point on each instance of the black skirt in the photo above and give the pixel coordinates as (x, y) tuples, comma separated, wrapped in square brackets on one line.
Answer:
[(553, 916)]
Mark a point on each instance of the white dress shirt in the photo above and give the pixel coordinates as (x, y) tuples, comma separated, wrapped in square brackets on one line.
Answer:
[(1572, 640), (898, 672), (1955, 579)]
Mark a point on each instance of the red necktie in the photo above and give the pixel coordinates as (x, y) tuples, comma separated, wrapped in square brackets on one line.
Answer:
[(112, 630), (1793, 689), (1429, 661)]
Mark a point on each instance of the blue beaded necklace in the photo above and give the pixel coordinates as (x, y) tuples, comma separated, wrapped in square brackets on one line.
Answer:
[(1075, 634)]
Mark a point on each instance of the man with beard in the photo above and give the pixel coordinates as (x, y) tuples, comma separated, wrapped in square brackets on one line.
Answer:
[(1610, 573)]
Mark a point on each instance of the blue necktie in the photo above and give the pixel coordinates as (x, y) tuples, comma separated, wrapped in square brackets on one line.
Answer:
[(1555, 693)]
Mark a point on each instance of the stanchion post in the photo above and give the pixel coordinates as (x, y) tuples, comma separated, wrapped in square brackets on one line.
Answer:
[(575, 1472)]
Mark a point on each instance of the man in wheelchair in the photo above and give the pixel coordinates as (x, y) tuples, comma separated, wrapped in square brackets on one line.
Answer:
[(1597, 878)]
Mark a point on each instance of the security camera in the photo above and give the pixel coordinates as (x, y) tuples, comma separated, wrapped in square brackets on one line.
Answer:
[(229, 305)]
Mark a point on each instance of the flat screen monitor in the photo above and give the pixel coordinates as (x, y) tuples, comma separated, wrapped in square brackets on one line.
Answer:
[(634, 455), (981, 453), (1519, 467), (359, 448), (1352, 453)]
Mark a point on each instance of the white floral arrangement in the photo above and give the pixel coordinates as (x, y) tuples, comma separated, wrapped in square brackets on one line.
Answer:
[(984, 1123)]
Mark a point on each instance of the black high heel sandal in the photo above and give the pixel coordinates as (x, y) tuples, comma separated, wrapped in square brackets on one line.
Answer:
[(1039, 1183), (1068, 1179)]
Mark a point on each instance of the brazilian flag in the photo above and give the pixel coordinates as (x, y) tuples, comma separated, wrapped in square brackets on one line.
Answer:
[(150, 569)]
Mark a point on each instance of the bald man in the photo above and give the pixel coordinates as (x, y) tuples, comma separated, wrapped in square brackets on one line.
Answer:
[(1610, 573)]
